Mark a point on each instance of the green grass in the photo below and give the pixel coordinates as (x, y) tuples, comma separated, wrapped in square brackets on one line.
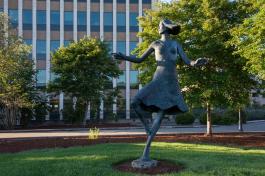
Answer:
[(95, 160)]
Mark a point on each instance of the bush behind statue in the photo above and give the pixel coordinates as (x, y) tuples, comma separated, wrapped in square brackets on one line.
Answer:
[(224, 118), (185, 119)]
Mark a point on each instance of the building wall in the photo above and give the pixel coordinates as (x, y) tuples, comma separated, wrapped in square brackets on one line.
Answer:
[(49, 24)]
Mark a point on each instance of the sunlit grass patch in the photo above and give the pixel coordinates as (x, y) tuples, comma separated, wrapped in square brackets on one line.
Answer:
[(199, 159)]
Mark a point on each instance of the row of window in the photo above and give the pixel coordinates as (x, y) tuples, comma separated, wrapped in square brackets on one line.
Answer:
[(81, 20), (55, 44), (41, 78), (110, 1)]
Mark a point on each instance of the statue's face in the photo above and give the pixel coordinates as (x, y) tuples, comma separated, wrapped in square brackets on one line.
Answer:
[(161, 28)]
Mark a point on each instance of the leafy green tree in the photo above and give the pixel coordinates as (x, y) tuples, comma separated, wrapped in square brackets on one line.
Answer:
[(248, 42), (16, 76), (84, 70), (206, 28), (249, 37)]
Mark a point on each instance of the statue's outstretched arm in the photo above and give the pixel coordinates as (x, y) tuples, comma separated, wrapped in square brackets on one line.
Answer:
[(198, 62), (183, 55), (134, 59)]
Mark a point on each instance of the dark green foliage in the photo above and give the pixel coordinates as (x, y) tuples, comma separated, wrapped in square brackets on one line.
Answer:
[(233, 114), (255, 113), (205, 29), (185, 119), (17, 91), (84, 70), (228, 117), (73, 116), (248, 37), (215, 118)]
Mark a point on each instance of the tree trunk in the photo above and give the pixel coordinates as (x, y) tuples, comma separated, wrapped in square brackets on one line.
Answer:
[(10, 116), (240, 121), (209, 121), (87, 113)]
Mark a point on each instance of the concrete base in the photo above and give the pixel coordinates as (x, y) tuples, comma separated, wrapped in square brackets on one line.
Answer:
[(141, 164)]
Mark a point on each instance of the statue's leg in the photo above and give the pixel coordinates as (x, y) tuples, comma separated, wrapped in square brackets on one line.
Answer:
[(155, 127), (140, 114)]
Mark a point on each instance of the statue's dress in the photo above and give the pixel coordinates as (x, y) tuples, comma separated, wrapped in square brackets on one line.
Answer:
[(163, 92)]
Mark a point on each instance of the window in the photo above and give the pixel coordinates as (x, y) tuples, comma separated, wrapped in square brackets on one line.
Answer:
[(121, 22), (121, 79), (133, 1), (41, 20), (41, 46), (55, 20), (27, 19), (13, 14), (28, 42), (133, 45), (41, 49), (108, 1), (133, 22), (67, 42), (55, 44), (81, 21), (41, 77), (146, 1), (121, 1), (108, 22), (95, 21), (68, 21), (121, 46), (134, 78)]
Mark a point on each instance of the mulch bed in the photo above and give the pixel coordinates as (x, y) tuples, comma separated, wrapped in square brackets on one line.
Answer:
[(228, 139), (162, 168)]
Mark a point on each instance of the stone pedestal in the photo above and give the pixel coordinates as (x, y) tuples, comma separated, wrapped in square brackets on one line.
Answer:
[(141, 164)]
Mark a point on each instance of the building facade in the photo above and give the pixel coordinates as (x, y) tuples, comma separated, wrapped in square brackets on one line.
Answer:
[(49, 24)]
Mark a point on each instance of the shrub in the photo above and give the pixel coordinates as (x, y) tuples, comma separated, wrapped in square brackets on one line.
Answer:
[(228, 118), (93, 133), (215, 118), (185, 119), (255, 113), (233, 115), (71, 116)]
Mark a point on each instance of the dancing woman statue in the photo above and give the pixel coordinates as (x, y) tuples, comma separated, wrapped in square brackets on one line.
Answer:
[(162, 95)]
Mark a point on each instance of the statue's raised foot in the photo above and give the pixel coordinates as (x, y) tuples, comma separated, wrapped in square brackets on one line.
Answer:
[(144, 164)]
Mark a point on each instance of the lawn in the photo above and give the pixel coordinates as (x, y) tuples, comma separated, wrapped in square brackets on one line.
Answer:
[(199, 159)]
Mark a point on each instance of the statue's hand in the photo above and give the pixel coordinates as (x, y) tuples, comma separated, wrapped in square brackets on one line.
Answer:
[(200, 62), (118, 56)]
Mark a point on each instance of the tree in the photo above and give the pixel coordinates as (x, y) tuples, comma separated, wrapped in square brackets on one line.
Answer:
[(249, 37), (16, 76), (84, 70), (206, 28), (248, 42)]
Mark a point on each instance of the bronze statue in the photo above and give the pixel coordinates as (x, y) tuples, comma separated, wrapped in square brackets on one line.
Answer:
[(163, 94)]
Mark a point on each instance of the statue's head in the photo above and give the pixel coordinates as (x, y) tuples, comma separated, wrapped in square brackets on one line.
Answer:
[(166, 26)]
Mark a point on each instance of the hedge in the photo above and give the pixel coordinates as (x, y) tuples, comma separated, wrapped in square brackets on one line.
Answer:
[(185, 119)]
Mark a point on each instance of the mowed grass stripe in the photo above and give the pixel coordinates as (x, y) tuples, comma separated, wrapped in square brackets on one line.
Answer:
[(198, 159)]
